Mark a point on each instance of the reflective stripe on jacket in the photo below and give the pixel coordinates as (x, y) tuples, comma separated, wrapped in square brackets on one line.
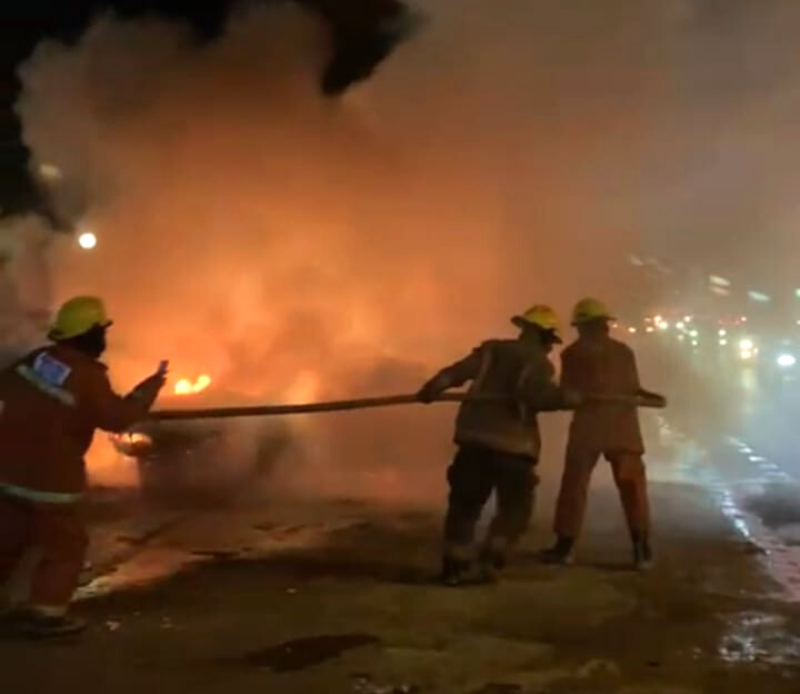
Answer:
[(37, 497)]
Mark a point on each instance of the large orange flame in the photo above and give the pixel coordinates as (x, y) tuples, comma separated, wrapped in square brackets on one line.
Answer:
[(187, 387)]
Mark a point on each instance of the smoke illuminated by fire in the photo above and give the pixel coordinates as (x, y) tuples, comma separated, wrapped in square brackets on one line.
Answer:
[(298, 248)]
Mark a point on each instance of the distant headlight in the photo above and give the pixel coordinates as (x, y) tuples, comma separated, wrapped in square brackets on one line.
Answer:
[(786, 361), (747, 349)]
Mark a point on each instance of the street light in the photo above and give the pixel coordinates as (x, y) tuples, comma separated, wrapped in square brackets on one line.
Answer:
[(87, 240)]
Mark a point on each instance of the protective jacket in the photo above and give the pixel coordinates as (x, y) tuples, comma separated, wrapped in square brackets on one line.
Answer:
[(517, 369), (603, 366), (51, 402)]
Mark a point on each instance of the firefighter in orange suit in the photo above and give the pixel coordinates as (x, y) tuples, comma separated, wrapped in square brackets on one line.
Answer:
[(51, 403), (498, 442), (599, 364)]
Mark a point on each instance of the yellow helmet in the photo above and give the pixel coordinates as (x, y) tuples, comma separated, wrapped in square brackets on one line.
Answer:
[(587, 310), (78, 316), (541, 316)]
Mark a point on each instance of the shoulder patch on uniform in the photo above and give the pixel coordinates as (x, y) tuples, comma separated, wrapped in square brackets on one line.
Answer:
[(51, 370)]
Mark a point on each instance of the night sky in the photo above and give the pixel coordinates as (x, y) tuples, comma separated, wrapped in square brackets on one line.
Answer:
[(23, 25)]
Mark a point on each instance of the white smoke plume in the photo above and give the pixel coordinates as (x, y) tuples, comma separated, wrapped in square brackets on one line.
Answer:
[(26, 251)]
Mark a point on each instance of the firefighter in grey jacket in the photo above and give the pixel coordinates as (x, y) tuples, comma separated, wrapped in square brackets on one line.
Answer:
[(498, 442)]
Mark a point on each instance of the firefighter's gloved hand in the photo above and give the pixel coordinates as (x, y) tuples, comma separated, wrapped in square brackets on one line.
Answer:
[(149, 389), (428, 393), (651, 399), (153, 383)]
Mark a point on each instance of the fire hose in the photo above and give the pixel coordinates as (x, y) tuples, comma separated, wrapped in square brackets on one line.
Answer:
[(371, 403)]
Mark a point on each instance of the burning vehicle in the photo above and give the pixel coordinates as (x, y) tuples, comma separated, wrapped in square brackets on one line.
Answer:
[(203, 461)]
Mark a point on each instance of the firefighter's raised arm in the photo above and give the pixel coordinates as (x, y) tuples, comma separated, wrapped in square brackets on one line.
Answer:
[(452, 376), (115, 413)]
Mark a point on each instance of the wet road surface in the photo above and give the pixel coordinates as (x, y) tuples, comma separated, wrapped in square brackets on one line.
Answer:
[(738, 435)]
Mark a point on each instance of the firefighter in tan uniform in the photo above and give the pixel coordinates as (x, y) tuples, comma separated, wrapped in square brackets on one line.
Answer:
[(498, 442), (51, 402), (598, 364)]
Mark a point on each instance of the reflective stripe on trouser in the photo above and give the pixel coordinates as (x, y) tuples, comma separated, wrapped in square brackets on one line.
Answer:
[(629, 476), (58, 533), (474, 474)]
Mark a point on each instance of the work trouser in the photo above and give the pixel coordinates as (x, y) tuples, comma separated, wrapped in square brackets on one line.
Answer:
[(475, 473), (57, 532), (629, 476)]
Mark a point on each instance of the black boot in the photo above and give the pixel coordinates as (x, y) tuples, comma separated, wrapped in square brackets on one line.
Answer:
[(34, 624), (642, 553), (490, 564), (455, 572), (458, 574), (560, 553)]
